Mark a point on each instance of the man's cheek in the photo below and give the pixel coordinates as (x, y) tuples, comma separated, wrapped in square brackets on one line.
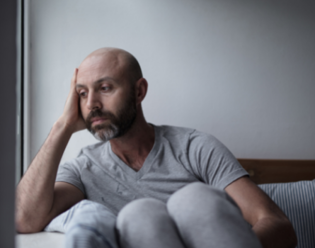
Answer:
[(83, 112)]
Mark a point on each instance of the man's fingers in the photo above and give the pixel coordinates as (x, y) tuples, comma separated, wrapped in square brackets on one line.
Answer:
[(74, 77)]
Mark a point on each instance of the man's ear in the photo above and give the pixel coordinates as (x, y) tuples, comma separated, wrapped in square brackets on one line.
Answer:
[(141, 90)]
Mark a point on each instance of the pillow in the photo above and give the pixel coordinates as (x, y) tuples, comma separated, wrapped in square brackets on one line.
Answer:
[(297, 201)]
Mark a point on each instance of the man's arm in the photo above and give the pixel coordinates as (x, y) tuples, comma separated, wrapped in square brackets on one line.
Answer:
[(38, 198), (271, 226)]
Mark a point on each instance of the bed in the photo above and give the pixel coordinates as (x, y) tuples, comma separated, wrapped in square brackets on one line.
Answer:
[(289, 183)]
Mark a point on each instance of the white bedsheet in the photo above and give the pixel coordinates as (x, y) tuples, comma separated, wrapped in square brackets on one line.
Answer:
[(40, 240)]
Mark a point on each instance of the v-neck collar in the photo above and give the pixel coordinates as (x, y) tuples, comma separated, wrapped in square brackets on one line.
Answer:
[(136, 175)]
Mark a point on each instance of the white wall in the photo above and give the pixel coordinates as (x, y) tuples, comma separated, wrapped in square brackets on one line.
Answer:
[(242, 70)]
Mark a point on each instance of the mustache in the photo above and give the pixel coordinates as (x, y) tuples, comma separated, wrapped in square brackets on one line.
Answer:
[(99, 113)]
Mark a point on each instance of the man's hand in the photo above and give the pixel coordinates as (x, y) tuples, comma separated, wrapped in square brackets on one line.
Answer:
[(71, 117)]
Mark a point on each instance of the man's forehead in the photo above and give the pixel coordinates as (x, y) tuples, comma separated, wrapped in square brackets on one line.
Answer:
[(103, 63), (95, 75), (79, 84), (98, 67), (99, 61)]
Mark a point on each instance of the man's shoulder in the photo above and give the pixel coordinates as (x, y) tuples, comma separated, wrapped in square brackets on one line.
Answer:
[(87, 156), (93, 150), (187, 138), (169, 131)]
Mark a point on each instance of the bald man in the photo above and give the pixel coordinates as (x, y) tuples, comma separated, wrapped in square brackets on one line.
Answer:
[(143, 185)]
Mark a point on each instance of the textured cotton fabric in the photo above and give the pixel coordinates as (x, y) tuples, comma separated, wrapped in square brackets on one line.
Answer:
[(86, 224), (179, 156), (196, 216)]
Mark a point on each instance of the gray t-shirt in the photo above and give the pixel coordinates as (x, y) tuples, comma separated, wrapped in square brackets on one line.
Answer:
[(179, 156)]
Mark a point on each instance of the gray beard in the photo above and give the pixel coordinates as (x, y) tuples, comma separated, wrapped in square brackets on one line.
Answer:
[(119, 125), (108, 134)]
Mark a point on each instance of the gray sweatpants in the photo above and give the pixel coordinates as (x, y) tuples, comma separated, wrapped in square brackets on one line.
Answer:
[(196, 216)]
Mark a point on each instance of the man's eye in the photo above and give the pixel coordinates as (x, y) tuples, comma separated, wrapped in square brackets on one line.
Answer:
[(82, 94), (105, 88)]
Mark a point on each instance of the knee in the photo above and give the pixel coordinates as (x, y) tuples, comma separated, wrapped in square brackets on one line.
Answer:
[(140, 211), (199, 199), (195, 193), (144, 218)]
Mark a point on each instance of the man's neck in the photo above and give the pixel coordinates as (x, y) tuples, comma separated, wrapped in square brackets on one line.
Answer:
[(133, 147)]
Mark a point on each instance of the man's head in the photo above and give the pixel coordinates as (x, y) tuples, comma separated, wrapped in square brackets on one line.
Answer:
[(107, 83)]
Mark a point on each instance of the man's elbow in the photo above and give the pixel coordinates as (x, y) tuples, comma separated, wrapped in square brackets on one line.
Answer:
[(275, 231), (286, 232), (25, 225), (292, 238)]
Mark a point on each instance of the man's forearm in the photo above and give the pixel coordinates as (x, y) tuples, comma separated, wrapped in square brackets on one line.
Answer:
[(35, 192), (274, 232)]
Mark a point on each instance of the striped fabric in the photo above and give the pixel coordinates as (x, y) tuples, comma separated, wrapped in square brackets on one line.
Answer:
[(297, 201)]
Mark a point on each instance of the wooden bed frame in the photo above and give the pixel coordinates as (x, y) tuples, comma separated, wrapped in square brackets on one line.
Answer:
[(277, 171)]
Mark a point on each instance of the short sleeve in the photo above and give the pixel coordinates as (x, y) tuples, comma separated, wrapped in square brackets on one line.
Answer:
[(212, 162), (69, 172)]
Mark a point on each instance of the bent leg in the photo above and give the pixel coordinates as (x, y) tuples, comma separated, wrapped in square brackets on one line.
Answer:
[(208, 217), (145, 223), (86, 224)]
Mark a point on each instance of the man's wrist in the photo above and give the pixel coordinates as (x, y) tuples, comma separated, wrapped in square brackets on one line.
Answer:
[(62, 126)]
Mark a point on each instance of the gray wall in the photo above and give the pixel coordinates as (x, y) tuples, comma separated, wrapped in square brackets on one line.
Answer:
[(242, 70), (8, 14)]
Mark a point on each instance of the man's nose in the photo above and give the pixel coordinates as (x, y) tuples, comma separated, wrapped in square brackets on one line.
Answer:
[(93, 101)]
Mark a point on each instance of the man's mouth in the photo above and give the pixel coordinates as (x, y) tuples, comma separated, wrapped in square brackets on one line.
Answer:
[(98, 120)]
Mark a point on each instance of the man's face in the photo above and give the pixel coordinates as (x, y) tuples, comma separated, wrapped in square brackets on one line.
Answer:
[(107, 99)]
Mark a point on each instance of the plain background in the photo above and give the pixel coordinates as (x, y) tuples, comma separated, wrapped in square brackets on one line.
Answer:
[(242, 70)]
